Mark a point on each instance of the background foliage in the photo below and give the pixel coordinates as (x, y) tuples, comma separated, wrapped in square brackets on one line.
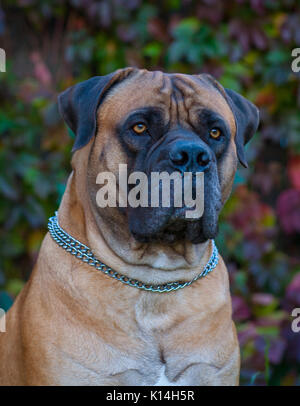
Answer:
[(247, 45)]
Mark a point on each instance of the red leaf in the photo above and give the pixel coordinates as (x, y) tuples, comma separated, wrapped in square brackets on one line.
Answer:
[(294, 171)]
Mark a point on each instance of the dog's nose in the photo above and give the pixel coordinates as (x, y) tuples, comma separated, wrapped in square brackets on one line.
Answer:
[(187, 156)]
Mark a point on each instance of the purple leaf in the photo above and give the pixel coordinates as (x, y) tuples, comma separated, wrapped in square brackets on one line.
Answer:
[(288, 209), (240, 309)]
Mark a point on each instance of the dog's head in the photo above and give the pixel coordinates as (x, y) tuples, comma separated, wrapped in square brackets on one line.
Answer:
[(158, 122)]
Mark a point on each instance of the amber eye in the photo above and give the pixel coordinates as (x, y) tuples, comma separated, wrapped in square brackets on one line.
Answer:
[(215, 133), (139, 128)]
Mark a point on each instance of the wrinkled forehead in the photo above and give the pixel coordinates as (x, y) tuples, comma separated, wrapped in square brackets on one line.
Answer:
[(178, 96)]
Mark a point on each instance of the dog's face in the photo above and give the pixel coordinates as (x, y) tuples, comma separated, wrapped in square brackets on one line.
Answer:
[(156, 122)]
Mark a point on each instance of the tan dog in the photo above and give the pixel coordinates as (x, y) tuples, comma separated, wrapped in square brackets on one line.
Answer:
[(74, 325)]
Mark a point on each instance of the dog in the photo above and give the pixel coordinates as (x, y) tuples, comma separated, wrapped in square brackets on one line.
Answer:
[(75, 324)]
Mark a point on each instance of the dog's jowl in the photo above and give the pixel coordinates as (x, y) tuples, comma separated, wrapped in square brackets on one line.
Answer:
[(135, 294)]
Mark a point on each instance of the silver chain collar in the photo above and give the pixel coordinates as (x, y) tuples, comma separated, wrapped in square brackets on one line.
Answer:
[(81, 251)]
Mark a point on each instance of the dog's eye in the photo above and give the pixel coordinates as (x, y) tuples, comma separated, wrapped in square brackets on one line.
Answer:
[(215, 133), (139, 128)]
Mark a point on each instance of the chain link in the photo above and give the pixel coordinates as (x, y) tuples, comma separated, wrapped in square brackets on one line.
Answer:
[(84, 253)]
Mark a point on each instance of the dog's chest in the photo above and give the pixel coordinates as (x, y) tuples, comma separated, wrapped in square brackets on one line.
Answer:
[(155, 351), (142, 362)]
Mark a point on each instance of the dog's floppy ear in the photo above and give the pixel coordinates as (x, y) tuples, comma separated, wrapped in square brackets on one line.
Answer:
[(78, 104), (246, 117)]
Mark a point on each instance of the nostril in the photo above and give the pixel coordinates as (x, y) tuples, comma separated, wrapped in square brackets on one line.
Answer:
[(189, 156), (203, 158), (180, 158)]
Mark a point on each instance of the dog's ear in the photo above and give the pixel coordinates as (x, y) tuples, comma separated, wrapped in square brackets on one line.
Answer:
[(78, 104), (245, 113), (246, 116)]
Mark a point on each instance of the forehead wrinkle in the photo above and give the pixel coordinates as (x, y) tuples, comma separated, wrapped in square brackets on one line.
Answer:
[(186, 94), (169, 101), (202, 93), (165, 84), (193, 91), (186, 84), (174, 113), (182, 110), (165, 91), (188, 91)]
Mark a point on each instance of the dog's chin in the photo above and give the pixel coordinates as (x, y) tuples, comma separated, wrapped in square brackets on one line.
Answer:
[(179, 230)]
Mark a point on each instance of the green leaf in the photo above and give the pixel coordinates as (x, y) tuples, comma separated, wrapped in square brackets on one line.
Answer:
[(6, 301), (153, 50), (14, 286)]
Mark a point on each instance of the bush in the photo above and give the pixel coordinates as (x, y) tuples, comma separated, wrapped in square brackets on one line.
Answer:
[(247, 45)]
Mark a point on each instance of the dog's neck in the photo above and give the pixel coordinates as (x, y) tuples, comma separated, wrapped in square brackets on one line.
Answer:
[(112, 243)]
